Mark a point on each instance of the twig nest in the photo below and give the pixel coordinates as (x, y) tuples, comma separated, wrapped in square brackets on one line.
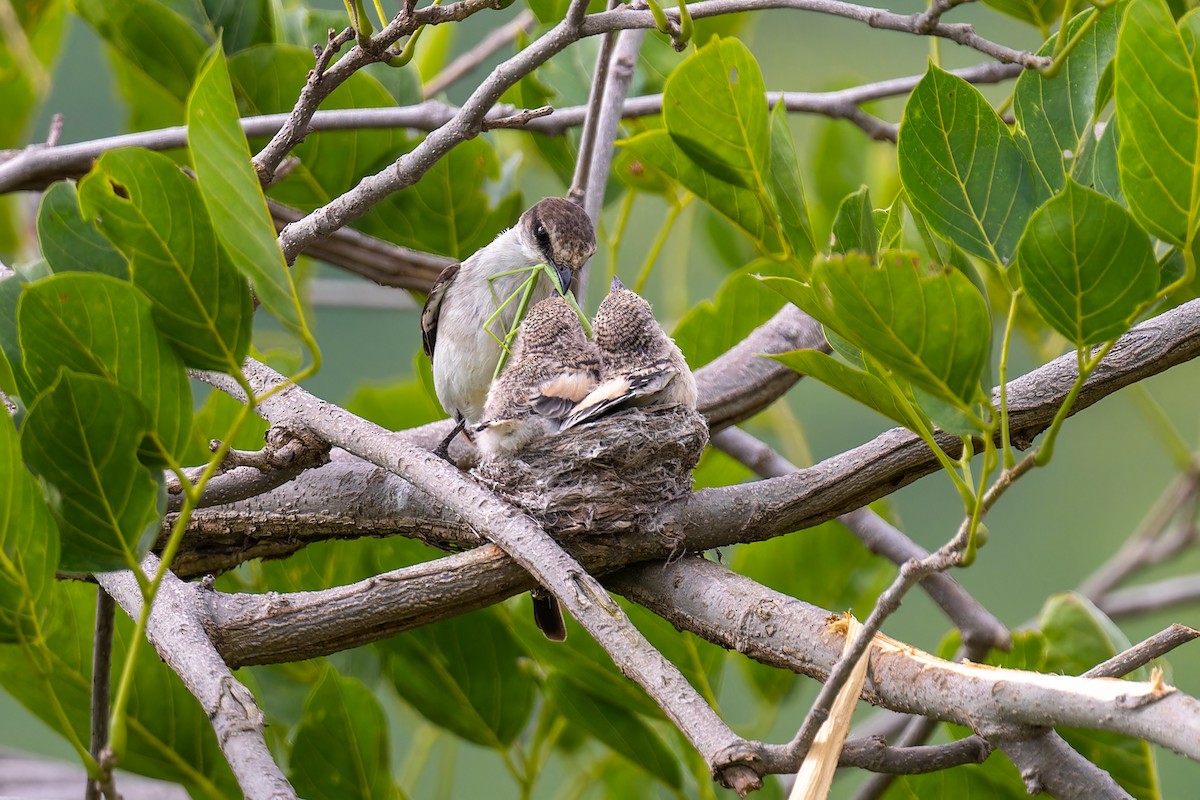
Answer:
[(611, 474)]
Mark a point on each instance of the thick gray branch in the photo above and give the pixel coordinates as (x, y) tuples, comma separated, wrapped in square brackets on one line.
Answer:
[(735, 612)]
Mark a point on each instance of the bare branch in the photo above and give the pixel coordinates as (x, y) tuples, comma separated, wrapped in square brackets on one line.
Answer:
[(788, 633), (1144, 652), (101, 673), (874, 754), (488, 46), (178, 635), (1151, 596)]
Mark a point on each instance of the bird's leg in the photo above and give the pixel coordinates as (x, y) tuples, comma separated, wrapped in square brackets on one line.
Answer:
[(443, 449)]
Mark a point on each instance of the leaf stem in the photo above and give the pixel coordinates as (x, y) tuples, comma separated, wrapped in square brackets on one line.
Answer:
[(1009, 326), (659, 241)]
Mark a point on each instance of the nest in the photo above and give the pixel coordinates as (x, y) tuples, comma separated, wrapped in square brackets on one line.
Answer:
[(609, 475)]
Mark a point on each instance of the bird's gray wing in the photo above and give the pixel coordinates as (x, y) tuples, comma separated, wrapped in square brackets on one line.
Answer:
[(433, 307), (557, 397), (634, 388)]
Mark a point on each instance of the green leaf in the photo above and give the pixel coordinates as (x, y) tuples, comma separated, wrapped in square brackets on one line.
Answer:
[(992, 780), (1042, 14), (1058, 114), (548, 12), (27, 52), (98, 325), (854, 383), (242, 23), (448, 211), (28, 541), (741, 305), (742, 207), (155, 40), (787, 190), (82, 437), (715, 108), (962, 169), (1079, 636), (170, 735), (1086, 265), (1158, 111), (854, 225), (154, 214), (463, 674), (1106, 173), (614, 726), (70, 243), (927, 324), (341, 745), (232, 194)]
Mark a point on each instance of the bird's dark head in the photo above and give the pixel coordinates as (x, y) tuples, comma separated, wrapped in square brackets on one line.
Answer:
[(559, 233), (549, 328), (624, 320)]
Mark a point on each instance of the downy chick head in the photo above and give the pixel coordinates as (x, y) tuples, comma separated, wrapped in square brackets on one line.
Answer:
[(625, 324), (558, 233)]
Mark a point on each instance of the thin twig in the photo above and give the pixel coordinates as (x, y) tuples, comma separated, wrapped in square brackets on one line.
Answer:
[(518, 120), (463, 64), (1144, 652), (1150, 597), (37, 166), (587, 135), (102, 642)]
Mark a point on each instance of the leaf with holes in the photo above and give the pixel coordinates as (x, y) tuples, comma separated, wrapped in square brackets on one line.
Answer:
[(154, 214)]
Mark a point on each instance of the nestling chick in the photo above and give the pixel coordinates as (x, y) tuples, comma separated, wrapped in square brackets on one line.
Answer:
[(641, 365), (553, 231), (553, 366)]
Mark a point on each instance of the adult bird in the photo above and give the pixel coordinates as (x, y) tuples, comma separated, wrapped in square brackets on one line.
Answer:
[(555, 232), (641, 364)]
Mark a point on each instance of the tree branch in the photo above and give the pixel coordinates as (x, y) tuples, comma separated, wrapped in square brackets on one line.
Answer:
[(178, 634), (462, 65)]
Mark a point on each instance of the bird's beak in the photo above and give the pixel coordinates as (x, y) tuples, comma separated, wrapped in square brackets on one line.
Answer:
[(566, 274), (616, 284)]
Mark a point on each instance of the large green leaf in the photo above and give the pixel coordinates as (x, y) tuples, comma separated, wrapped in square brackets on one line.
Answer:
[(742, 207), (927, 324), (715, 109), (854, 383), (82, 436), (170, 735), (28, 540), (232, 194), (787, 190), (242, 23), (463, 675), (69, 242), (1086, 265), (1057, 114), (154, 39), (1158, 111), (448, 211), (614, 726), (99, 325), (341, 746), (154, 214), (962, 169)]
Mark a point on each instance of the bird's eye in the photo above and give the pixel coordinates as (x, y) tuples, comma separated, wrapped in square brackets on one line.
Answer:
[(543, 238)]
